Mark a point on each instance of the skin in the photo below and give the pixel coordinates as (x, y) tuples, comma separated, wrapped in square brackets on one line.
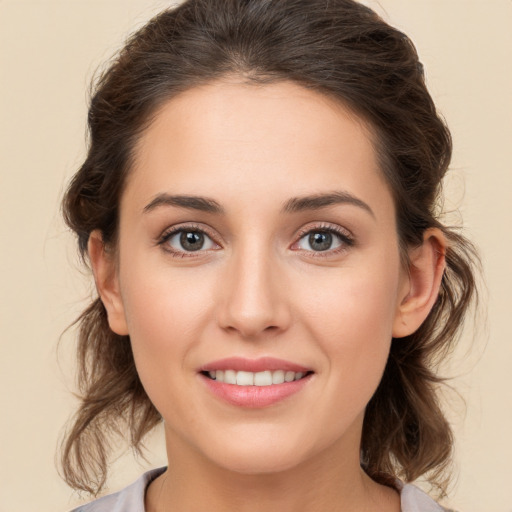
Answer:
[(259, 288)]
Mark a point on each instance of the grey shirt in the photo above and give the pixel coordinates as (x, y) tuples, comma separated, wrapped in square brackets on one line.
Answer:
[(131, 498)]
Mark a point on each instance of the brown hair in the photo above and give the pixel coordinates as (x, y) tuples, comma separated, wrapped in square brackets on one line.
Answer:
[(339, 48)]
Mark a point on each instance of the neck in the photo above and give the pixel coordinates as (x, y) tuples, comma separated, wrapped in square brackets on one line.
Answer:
[(326, 482)]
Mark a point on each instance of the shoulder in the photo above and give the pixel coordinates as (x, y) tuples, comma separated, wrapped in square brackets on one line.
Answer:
[(414, 499), (130, 499)]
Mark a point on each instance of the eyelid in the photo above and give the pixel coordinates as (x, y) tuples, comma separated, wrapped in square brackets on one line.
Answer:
[(169, 232), (325, 226), (346, 237)]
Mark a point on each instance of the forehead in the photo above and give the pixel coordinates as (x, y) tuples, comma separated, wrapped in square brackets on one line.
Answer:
[(239, 138)]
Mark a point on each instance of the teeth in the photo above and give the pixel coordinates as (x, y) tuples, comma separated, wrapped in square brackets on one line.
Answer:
[(278, 377), (265, 378), (229, 376), (244, 378), (289, 376)]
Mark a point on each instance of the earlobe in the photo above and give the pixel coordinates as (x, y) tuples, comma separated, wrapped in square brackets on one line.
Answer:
[(107, 282), (426, 268)]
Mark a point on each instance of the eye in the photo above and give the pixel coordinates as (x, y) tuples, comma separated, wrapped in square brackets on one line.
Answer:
[(324, 239), (181, 241)]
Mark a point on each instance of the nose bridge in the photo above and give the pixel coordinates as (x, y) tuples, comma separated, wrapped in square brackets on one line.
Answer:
[(253, 302)]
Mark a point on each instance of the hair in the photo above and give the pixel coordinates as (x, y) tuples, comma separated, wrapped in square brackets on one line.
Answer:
[(338, 48)]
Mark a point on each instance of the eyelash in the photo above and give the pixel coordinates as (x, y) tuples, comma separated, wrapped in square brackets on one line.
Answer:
[(189, 228), (343, 235)]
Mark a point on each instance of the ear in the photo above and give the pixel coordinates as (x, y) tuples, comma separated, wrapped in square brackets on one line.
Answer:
[(104, 268), (421, 287)]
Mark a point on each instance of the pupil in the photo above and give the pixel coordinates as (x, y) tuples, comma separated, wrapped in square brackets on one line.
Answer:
[(192, 241), (320, 241)]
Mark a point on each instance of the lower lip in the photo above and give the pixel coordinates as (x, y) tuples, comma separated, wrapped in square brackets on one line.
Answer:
[(254, 396)]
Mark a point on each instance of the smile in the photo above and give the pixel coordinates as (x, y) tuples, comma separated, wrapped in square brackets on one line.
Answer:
[(254, 383), (263, 378)]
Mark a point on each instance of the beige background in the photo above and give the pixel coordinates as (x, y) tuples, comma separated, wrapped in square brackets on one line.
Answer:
[(48, 53)]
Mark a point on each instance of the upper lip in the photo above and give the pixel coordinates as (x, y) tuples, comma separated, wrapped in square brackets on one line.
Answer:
[(253, 365)]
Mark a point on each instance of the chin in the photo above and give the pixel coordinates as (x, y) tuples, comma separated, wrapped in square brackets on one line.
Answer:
[(264, 455), (260, 464)]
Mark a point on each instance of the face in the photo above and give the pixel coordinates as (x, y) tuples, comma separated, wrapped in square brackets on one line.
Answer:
[(258, 273)]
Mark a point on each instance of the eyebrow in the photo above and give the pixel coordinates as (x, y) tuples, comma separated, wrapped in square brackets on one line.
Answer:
[(318, 201), (293, 205), (203, 204)]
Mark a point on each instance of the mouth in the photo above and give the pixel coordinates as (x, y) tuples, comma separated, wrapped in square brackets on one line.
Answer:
[(255, 383), (262, 378)]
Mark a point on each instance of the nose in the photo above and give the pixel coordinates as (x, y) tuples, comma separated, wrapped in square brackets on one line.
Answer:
[(253, 300)]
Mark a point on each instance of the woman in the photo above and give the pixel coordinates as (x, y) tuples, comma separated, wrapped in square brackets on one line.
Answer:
[(259, 208)]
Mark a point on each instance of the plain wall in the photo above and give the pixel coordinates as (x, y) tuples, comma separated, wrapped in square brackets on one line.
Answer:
[(49, 51)]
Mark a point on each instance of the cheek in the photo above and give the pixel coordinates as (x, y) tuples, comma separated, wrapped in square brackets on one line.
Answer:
[(160, 301), (350, 304), (165, 312), (352, 319)]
